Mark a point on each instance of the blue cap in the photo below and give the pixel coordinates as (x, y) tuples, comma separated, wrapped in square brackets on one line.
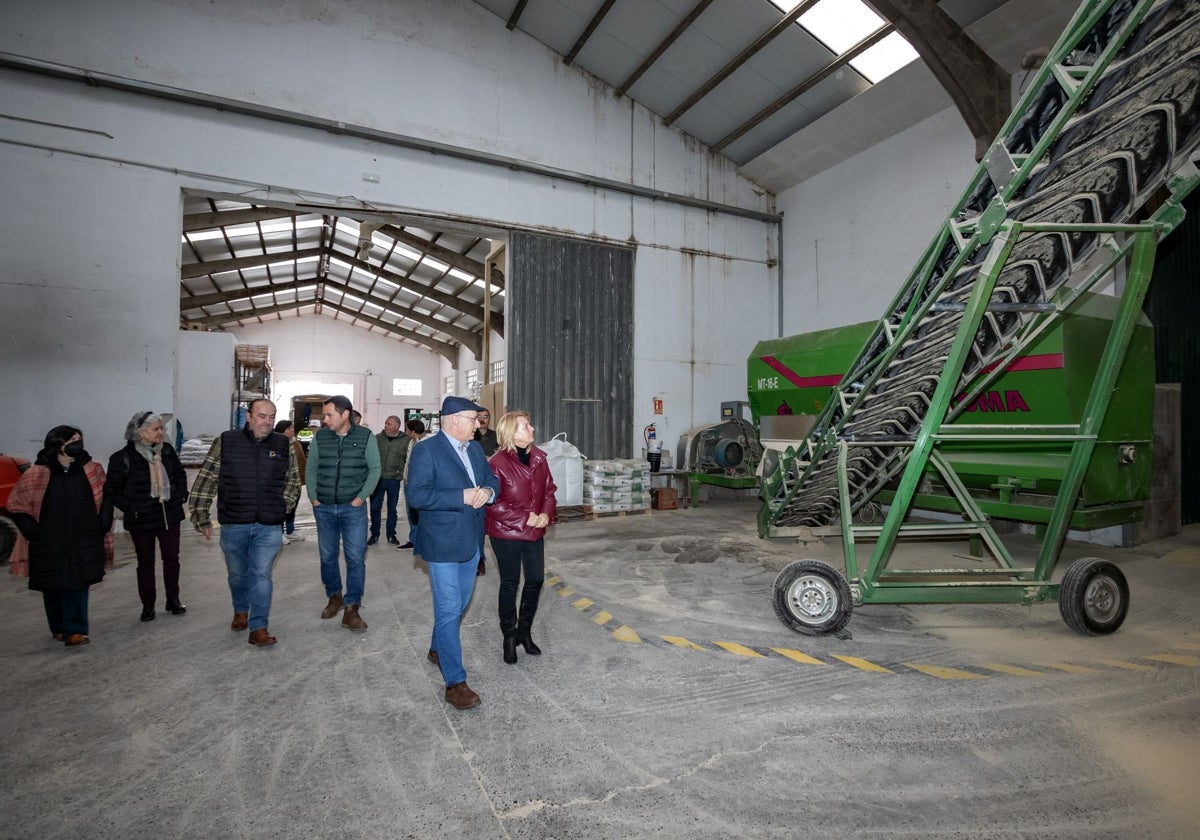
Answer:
[(453, 405)]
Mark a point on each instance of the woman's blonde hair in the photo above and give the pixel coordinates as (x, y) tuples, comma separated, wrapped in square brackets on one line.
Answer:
[(506, 427)]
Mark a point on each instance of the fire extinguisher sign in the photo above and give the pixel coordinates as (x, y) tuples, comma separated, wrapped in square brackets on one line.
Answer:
[(658, 405)]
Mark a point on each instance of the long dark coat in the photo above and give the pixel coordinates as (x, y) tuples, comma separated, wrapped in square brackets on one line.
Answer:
[(59, 512)]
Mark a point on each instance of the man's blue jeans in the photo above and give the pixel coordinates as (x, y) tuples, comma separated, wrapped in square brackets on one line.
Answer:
[(250, 552), (344, 527), (452, 585), (389, 487)]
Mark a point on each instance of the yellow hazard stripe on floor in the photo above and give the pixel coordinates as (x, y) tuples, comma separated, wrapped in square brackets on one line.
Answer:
[(944, 673), (1071, 669), (740, 650), (1128, 666), (1175, 659), (797, 656), (863, 664), (1012, 670), (625, 634)]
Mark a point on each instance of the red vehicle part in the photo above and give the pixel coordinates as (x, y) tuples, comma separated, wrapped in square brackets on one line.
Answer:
[(11, 468)]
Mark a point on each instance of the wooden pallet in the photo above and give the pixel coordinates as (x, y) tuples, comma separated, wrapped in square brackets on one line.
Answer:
[(585, 513)]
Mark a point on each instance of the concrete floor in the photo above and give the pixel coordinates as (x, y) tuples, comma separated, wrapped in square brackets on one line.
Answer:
[(670, 703)]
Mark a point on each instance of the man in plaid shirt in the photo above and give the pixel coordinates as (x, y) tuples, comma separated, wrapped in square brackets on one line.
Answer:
[(253, 475)]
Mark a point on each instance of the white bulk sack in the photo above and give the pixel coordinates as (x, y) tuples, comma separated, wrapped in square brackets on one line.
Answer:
[(566, 467)]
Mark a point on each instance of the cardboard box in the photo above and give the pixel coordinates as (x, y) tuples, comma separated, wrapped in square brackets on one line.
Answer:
[(664, 498)]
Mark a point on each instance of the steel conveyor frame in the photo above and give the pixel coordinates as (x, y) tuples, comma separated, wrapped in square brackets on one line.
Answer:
[(1111, 121)]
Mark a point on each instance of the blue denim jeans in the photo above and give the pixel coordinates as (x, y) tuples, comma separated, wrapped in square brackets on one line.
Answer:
[(250, 552), (452, 585), (344, 527), (389, 487)]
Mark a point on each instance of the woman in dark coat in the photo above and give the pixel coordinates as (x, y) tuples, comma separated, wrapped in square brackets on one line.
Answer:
[(516, 524), (59, 506), (147, 483)]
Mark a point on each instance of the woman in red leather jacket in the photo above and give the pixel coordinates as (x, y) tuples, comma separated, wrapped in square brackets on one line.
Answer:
[(516, 523)]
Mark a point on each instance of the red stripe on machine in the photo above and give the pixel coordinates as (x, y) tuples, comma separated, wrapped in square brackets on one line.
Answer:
[(1044, 361), (801, 381)]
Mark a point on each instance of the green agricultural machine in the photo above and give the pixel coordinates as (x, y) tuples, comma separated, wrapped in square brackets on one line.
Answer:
[(1085, 178), (792, 378)]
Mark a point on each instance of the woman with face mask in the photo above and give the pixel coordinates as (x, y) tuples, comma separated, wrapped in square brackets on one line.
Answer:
[(59, 506), (146, 481)]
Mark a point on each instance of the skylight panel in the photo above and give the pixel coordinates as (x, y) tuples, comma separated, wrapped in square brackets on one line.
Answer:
[(284, 226), (840, 24), (885, 58)]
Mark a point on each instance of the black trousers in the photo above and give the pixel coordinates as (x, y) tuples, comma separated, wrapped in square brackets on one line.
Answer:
[(513, 556), (143, 547)]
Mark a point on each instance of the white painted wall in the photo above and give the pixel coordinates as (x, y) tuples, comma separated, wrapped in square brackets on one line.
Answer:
[(204, 382), (854, 233), (89, 335), (319, 347), (93, 234)]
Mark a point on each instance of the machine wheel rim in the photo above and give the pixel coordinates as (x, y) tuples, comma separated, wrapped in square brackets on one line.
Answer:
[(812, 599), (1102, 599)]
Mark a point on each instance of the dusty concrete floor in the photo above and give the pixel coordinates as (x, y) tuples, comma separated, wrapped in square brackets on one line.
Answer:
[(662, 707)]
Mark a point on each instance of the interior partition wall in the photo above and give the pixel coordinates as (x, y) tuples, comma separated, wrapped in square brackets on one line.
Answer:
[(570, 340)]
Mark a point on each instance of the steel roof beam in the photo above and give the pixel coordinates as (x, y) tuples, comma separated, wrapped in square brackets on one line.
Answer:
[(203, 269), (696, 11), (438, 252), (587, 32), (807, 85), (442, 348), (740, 59), (228, 218), (467, 338), (511, 23)]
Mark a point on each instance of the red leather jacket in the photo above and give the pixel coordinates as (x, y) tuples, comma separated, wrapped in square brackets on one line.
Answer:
[(522, 489)]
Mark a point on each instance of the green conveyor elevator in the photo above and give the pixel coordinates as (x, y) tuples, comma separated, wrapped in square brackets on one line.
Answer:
[(1084, 179)]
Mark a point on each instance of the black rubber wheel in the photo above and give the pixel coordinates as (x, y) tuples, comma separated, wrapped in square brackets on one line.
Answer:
[(8, 539), (812, 597), (1093, 597)]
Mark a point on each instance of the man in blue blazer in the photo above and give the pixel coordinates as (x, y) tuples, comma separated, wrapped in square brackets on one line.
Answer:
[(450, 482)]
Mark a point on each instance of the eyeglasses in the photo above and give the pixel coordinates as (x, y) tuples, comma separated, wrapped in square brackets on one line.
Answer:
[(474, 419)]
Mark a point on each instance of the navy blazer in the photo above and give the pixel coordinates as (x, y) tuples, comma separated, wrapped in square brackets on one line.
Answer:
[(448, 531)]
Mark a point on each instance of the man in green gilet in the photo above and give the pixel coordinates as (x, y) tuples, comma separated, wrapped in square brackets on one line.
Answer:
[(343, 468)]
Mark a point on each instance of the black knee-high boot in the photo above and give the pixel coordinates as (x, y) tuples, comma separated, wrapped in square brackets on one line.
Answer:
[(529, 604)]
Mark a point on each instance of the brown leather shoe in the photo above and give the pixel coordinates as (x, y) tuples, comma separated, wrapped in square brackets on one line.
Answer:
[(351, 620), (76, 639), (333, 607), (433, 657), (240, 622), (461, 697), (58, 637), (261, 637)]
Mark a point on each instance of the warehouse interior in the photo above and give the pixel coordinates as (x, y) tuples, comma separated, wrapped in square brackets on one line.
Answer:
[(599, 211)]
